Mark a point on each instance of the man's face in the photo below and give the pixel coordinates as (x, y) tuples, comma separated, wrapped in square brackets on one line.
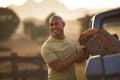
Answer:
[(56, 26)]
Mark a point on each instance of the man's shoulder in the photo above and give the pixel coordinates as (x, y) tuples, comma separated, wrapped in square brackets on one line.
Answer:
[(47, 42), (70, 38)]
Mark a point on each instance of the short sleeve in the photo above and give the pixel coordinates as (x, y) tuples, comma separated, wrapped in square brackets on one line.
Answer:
[(48, 54), (79, 47)]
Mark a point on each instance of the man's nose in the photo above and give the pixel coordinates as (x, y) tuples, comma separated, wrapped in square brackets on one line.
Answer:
[(54, 26)]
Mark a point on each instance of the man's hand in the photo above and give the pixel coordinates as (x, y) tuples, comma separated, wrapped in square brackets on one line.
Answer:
[(83, 55)]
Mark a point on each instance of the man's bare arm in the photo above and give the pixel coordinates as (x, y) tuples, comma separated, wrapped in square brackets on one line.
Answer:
[(61, 65)]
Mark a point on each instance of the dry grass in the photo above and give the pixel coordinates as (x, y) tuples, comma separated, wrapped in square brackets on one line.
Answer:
[(80, 71), (6, 67), (30, 48)]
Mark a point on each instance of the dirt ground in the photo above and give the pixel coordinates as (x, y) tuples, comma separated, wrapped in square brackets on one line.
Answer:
[(22, 48)]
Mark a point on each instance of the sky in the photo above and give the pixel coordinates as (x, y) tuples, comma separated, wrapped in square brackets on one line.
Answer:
[(91, 4), (70, 4), (68, 9)]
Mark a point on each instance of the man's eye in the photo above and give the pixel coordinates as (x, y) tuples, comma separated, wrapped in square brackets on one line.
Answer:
[(51, 24), (56, 23)]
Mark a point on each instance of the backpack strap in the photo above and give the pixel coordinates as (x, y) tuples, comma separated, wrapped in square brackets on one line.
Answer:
[(105, 41)]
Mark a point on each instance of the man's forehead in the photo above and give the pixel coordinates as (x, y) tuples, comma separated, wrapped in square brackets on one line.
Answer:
[(56, 18)]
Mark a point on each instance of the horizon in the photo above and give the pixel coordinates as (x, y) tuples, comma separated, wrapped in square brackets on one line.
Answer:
[(40, 9)]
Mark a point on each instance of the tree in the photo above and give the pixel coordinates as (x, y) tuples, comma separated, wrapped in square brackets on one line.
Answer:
[(36, 31), (9, 22), (85, 22), (47, 22)]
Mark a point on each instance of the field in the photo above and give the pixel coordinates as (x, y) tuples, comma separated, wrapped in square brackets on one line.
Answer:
[(6, 67), (28, 49)]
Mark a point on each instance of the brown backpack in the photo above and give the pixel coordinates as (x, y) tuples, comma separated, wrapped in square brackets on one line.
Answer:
[(98, 41)]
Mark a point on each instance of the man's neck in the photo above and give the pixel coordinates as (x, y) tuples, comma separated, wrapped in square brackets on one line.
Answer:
[(59, 37)]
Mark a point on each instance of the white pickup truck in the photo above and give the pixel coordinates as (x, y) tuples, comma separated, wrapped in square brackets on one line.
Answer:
[(108, 66)]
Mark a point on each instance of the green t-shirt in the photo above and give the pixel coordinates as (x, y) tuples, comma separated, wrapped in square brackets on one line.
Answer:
[(59, 49)]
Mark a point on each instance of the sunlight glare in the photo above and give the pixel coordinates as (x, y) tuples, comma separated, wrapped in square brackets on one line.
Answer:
[(37, 0), (6, 3), (90, 4), (18, 2)]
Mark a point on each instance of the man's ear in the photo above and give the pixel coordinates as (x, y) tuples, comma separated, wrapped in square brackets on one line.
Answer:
[(63, 24)]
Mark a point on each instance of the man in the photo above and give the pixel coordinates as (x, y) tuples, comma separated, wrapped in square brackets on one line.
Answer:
[(60, 52)]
